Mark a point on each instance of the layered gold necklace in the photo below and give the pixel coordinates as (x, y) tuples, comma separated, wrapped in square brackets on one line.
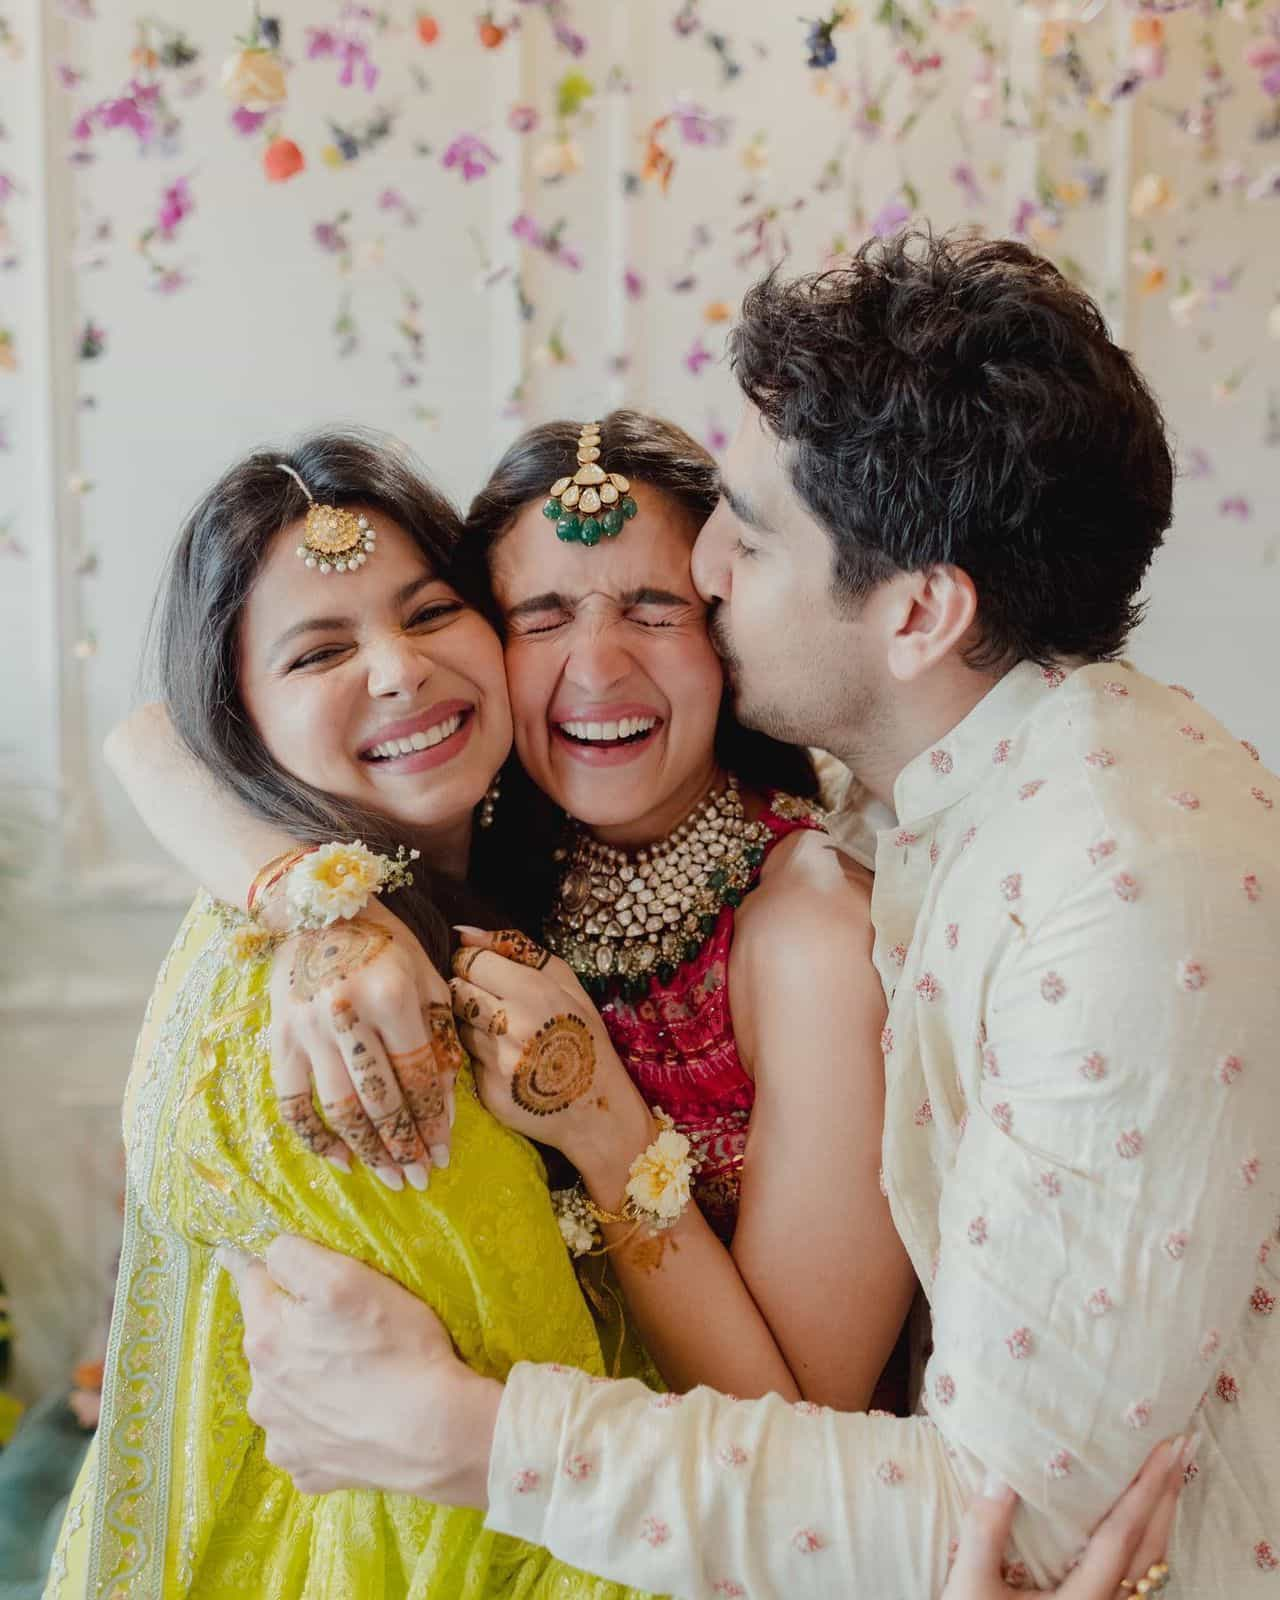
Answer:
[(623, 916)]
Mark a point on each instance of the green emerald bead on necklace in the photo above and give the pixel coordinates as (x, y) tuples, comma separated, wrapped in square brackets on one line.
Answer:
[(568, 529)]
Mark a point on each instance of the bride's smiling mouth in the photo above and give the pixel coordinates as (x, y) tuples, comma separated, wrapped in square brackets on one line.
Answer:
[(415, 744), (606, 735)]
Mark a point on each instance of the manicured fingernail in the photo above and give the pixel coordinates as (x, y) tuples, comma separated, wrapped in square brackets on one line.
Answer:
[(994, 1487), (1189, 1448), (440, 1155), (475, 933), (417, 1175), (391, 1177), (342, 1164)]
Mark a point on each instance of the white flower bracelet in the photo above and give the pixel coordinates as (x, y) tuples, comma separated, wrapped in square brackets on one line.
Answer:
[(657, 1194)]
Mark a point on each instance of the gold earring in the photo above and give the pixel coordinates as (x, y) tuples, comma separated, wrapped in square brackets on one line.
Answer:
[(489, 802)]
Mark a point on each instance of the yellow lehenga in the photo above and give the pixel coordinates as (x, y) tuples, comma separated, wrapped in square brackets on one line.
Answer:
[(176, 1497)]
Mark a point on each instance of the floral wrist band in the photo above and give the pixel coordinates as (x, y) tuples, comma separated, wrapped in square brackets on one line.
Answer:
[(657, 1194), (321, 884)]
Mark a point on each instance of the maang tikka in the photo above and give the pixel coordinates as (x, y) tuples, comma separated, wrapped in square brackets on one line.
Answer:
[(593, 503), (333, 540)]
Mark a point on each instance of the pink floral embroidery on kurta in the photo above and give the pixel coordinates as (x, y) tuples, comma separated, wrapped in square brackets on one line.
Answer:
[(1101, 850), (578, 1468), (889, 1472), (898, 955), (730, 1589), (1130, 1144), (1001, 752), (928, 987), (967, 837), (1191, 976), (978, 1231), (1252, 888), (654, 1531), (886, 1040), (1125, 886), (1262, 797), (1250, 1167), (945, 1389), (990, 1062), (1100, 759), (1227, 1388), (1175, 1245), (807, 1541), (666, 1402), (1115, 689), (1029, 790), (1055, 677), (731, 1455), (1052, 987), (1262, 1301), (1099, 1303), (941, 762), (1179, 688), (952, 935), (1189, 732), (1050, 1185), (1020, 1343), (1138, 1415), (1002, 1116), (1228, 1070), (1011, 887), (1059, 1464), (526, 1481), (1185, 800), (1210, 1345), (1265, 1557), (1094, 1066), (904, 838), (923, 1114), (1252, 749)]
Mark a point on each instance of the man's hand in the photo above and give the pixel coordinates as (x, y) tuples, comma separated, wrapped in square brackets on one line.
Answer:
[(355, 1382)]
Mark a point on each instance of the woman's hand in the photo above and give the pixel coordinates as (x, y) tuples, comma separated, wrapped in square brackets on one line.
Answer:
[(1129, 1541), (358, 1010), (544, 1064)]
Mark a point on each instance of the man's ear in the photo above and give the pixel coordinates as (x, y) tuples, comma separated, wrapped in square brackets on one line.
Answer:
[(929, 614)]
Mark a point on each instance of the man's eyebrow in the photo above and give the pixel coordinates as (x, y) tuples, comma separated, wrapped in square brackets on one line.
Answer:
[(334, 624), (742, 508)]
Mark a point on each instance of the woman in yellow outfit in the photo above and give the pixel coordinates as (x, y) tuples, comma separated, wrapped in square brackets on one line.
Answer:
[(286, 709)]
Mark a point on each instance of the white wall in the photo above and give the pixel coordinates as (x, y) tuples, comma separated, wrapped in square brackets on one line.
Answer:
[(246, 353)]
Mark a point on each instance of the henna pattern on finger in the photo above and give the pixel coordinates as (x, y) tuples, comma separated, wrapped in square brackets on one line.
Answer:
[(517, 946), (420, 1083), (299, 1113), (344, 1016), (498, 1025), (347, 1117), (464, 959), (444, 1036), (400, 1138), (327, 956), (555, 1067)]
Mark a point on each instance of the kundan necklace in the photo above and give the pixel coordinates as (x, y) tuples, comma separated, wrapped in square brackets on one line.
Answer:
[(626, 916)]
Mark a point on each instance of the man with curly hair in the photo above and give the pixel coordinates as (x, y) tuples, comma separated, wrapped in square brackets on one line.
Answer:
[(947, 486)]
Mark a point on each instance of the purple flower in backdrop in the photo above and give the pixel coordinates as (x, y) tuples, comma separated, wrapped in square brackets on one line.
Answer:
[(525, 229), (68, 76), (134, 110), (326, 44), (176, 203), (1022, 218), (966, 179), (633, 283), (471, 154), (8, 188), (890, 217), (1235, 505), (522, 119), (697, 357), (717, 438), (329, 237), (697, 125), (169, 280), (248, 122), (1197, 464)]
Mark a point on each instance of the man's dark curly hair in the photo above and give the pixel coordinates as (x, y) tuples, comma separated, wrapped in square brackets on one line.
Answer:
[(953, 401)]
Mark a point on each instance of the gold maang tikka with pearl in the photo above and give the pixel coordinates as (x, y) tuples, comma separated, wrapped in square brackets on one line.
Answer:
[(592, 503), (333, 539)]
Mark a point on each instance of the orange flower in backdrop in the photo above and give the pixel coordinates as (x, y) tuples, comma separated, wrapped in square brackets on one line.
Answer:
[(282, 161)]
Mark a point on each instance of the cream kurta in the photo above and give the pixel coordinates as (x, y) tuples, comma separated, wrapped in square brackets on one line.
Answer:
[(1078, 928)]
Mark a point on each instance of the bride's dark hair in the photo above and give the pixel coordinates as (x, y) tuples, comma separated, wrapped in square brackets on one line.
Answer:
[(653, 453), (211, 571)]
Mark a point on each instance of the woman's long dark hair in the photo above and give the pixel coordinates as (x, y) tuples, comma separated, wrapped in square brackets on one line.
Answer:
[(210, 574), (514, 859)]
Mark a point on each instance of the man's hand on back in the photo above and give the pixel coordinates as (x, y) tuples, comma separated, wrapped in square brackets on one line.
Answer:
[(355, 1382)]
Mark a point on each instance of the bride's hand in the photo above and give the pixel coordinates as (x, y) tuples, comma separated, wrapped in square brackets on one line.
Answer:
[(358, 1010), (1130, 1540), (543, 1061)]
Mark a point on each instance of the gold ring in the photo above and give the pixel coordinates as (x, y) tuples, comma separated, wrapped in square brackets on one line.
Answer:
[(1156, 1581)]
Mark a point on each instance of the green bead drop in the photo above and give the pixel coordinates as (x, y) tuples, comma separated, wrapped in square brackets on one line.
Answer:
[(629, 508), (612, 522), (589, 532), (552, 510), (569, 529)]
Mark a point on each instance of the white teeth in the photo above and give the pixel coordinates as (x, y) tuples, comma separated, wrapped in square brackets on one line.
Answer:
[(609, 732), (424, 740)]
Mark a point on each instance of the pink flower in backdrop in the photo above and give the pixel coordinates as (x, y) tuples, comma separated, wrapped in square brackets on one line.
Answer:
[(966, 179), (1235, 505), (697, 357), (717, 438), (135, 110), (890, 217), (324, 44), (8, 188), (549, 241), (471, 154), (633, 283), (697, 125), (175, 205), (248, 122), (522, 119)]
